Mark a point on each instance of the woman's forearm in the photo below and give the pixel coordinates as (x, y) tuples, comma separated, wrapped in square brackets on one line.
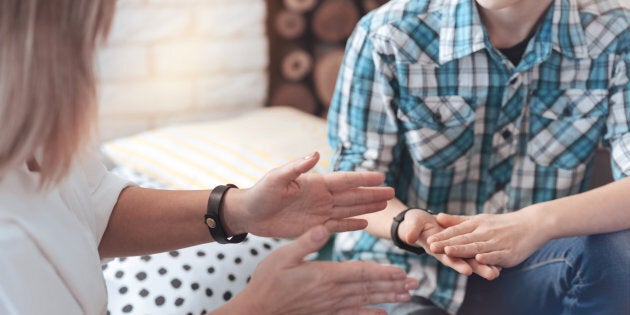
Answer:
[(147, 221)]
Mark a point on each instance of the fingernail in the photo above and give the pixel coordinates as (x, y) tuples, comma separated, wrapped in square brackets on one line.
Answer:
[(403, 297), (310, 156), (411, 284), (318, 234)]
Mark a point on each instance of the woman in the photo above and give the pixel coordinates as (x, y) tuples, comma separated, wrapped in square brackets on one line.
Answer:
[(62, 212)]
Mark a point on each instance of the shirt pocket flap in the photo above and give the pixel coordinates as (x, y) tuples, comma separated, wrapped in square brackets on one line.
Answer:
[(571, 103), (438, 112)]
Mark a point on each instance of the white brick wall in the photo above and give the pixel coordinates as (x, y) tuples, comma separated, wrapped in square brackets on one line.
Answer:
[(175, 61)]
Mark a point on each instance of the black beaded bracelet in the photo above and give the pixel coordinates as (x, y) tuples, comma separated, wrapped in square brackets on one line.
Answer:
[(213, 217), (394, 233)]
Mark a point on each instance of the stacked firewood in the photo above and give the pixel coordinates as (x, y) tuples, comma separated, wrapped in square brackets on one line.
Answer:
[(306, 44)]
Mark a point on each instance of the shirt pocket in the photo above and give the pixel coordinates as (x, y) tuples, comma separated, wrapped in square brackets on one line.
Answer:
[(438, 129), (565, 127)]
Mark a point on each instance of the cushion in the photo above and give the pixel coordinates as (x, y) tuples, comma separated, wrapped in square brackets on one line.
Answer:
[(237, 150)]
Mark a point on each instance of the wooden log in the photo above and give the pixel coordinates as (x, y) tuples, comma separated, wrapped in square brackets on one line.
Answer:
[(334, 20), (296, 64), (295, 95), (325, 74), (299, 6), (289, 25), (369, 5)]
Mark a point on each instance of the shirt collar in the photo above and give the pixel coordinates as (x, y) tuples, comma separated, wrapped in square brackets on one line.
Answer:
[(562, 28), (462, 33)]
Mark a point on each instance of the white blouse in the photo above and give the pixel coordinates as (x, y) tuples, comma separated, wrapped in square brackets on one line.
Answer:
[(49, 261)]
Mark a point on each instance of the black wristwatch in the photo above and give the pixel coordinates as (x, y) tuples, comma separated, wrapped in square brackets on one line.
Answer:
[(394, 233)]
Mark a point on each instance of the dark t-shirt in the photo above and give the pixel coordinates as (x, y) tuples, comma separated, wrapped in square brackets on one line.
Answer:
[(515, 53)]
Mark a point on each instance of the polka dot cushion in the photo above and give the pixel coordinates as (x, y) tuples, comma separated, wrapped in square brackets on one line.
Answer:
[(193, 280)]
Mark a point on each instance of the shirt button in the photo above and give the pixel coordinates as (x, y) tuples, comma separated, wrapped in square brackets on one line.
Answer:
[(507, 135), (437, 117), (499, 186), (566, 111)]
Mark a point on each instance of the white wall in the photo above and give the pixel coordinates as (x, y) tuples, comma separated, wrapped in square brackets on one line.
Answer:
[(174, 61)]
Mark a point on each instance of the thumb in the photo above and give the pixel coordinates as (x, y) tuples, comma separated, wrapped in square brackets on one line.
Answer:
[(293, 169), (411, 236), (311, 241), (448, 220)]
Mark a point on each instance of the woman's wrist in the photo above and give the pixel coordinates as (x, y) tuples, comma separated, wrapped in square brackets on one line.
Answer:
[(233, 213)]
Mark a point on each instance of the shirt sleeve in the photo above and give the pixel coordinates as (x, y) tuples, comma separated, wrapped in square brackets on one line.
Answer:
[(29, 283), (618, 123), (104, 188), (362, 126)]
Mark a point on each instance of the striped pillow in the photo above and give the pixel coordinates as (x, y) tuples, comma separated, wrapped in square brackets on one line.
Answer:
[(237, 150)]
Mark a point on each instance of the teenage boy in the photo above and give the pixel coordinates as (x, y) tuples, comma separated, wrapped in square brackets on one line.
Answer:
[(488, 107)]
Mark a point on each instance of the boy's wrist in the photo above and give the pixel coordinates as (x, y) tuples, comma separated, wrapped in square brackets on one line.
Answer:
[(395, 236), (543, 221)]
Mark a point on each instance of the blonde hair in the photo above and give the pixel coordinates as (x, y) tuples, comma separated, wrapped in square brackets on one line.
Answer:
[(47, 86)]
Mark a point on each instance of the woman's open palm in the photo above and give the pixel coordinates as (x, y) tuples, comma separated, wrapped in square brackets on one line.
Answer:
[(287, 201)]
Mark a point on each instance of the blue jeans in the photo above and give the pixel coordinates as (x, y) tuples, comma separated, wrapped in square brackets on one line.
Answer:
[(578, 275)]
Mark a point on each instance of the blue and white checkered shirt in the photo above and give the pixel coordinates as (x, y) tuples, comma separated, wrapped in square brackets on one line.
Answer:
[(423, 97)]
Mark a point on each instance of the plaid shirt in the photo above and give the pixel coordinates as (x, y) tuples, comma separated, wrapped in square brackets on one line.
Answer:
[(423, 97)]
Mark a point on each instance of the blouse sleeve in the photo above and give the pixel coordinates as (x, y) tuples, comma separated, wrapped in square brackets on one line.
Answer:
[(104, 189)]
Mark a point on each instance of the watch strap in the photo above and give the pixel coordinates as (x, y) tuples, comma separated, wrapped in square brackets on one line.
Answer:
[(396, 239), (213, 219)]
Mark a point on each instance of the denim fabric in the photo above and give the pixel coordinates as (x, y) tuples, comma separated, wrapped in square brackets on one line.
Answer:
[(586, 275)]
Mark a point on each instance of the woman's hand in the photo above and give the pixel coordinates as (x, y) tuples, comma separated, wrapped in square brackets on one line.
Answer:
[(419, 225), (284, 283), (286, 201), (494, 239)]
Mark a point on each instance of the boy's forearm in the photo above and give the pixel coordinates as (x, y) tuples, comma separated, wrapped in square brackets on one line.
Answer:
[(601, 210), (379, 223)]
